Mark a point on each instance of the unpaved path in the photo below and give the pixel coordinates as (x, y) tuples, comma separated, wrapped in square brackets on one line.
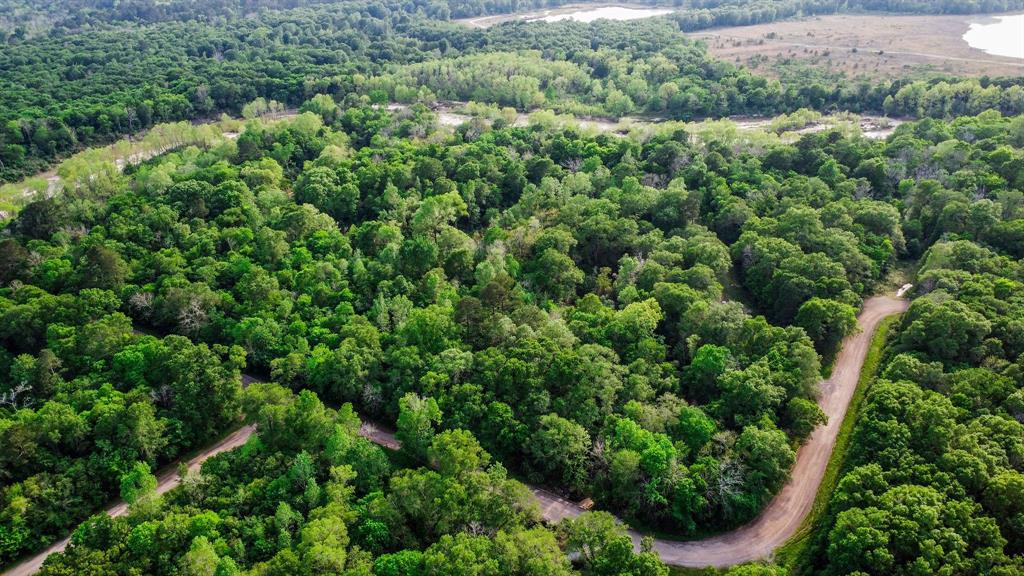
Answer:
[(786, 512), (754, 541), (167, 479)]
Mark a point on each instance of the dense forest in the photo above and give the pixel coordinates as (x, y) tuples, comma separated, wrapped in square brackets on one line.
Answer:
[(558, 296), (642, 321), (104, 403), (69, 89), (23, 18)]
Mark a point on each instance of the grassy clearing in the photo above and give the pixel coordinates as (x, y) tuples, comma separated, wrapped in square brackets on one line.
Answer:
[(854, 46), (795, 553)]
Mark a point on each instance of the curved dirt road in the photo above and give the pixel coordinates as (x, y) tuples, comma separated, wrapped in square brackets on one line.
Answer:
[(783, 516), (166, 480), (754, 541)]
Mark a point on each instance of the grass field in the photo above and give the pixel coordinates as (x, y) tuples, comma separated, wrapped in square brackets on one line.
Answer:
[(869, 45)]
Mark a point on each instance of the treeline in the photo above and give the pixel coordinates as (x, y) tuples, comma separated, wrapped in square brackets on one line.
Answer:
[(677, 82), (953, 99), (22, 19), (700, 15), (26, 18), (941, 6), (59, 93), (99, 168)]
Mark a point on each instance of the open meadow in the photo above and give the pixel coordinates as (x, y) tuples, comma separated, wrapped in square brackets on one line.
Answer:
[(872, 45)]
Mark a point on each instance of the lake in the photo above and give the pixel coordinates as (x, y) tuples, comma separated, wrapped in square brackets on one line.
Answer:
[(606, 12), (999, 36)]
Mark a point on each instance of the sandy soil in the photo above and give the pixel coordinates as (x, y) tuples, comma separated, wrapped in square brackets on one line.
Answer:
[(491, 20), (872, 45), (54, 181), (776, 524), (872, 127)]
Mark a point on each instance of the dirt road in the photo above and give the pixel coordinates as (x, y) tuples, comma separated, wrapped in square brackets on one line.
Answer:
[(784, 514), (167, 479), (776, 524)]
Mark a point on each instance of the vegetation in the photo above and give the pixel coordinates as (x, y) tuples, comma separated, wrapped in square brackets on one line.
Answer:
[(310, 496), (566, 309), (25, 18), (520, 302), (109, 72), (956, 453), (942, 423), (467, 315), (713, 13), (86, 400)]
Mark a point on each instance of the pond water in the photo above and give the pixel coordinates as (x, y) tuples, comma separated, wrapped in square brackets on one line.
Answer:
[(999, 36), (606, 12)]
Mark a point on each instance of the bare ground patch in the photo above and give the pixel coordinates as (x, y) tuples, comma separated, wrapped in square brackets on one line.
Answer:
[(872, 45), (487, 21)]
